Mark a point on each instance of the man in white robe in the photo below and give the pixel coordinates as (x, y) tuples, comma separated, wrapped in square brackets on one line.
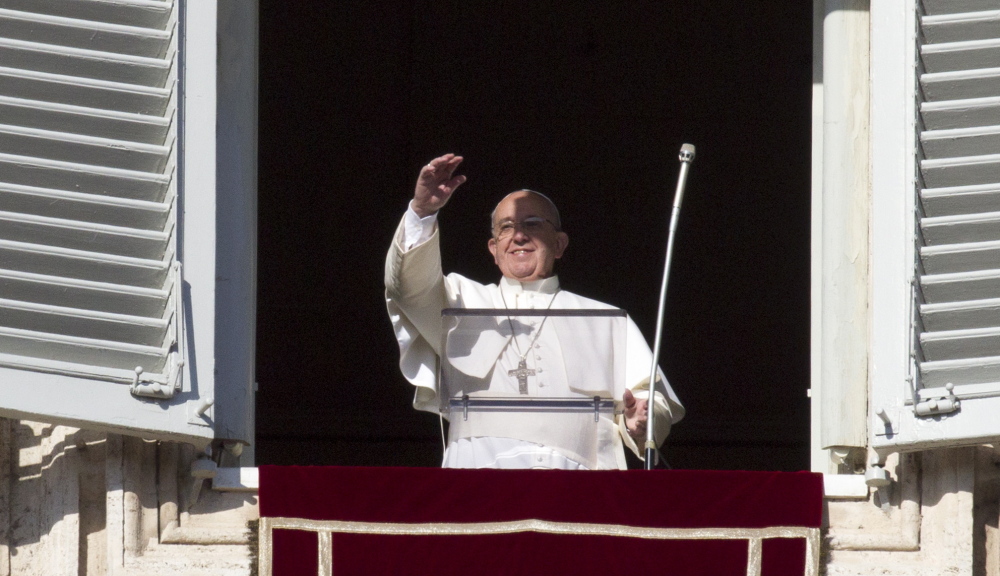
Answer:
[(527, 239)]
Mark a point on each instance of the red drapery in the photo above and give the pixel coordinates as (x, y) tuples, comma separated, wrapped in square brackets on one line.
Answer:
[(655, 499)]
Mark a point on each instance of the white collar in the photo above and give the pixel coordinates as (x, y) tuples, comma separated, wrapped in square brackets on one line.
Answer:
[(548, 285)]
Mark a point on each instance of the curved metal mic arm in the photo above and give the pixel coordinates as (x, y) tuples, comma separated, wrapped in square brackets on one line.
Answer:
[(686, 157)]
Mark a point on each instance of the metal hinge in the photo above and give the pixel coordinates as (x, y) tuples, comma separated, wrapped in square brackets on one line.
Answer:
[(164, 386), (938, 405)]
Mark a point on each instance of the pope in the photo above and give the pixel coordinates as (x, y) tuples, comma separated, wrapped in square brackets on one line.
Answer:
[(527, 238)]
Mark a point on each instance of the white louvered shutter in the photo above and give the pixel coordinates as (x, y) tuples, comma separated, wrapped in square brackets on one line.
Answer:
[(96, 315), (952, 395)]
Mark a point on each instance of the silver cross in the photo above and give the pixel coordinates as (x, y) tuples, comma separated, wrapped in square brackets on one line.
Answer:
[(522, 374)]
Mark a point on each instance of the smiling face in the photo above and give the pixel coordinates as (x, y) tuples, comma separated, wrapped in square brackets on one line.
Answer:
[(530, 252)]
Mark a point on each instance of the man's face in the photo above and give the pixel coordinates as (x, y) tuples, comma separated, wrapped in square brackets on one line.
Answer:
[(529, 250)]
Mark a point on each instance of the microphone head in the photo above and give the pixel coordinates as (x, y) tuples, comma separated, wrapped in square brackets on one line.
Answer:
[(687, 153)]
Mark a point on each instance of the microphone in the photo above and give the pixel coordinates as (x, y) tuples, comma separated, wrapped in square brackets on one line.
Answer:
[(686, 157), (687, 153)]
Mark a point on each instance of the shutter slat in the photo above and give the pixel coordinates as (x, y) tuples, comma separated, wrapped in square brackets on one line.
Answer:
[(86, 178), (145, 14), (958, 344), (79, 91), (83, 323), (84, 121), (82, 265), (89, 208), (960, 372), (960, 141), (959, 27), (952, 114), (957, 287), (937, 7), (964, 171), (106, 66), (84, 294), (961, 228), (79, 350), (961, 85), (86, 236), (961, 315), (969, 55), (961, 257), (86, 34), (83, 149), (960, 199)]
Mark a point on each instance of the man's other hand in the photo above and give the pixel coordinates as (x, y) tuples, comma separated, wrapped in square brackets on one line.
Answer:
[(436, 184), (636, 415)]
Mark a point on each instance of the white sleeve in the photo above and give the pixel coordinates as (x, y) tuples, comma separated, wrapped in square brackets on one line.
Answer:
[(417, 230)]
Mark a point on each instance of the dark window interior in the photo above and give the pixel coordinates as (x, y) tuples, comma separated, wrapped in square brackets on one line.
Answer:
[(587, 102)]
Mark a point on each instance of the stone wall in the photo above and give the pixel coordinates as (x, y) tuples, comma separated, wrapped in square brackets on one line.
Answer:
[(75, 502), (939, 517)]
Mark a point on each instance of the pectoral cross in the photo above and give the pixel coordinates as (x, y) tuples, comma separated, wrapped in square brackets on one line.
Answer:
[(522, 374)]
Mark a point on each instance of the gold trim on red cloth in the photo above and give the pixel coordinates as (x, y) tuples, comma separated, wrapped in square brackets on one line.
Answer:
[(326, 528)]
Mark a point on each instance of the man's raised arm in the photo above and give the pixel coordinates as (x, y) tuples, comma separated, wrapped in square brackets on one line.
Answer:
[(436, 184)]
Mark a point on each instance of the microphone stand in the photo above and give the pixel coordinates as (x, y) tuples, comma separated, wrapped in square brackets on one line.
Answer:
[(686, 157)]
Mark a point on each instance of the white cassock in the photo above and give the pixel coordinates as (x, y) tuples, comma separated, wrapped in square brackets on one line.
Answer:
[(417, 292)]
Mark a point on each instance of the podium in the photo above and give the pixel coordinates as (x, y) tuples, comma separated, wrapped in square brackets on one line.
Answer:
[(419, 521), (547, 376)]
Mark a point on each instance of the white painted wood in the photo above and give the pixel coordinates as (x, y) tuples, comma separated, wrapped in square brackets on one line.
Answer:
[(78, 350), (961, 113), (109, 136), (83, 323), (961, 391), (961, 228), (236, 296), (106, 66), (844, 363), (98, 296), (963, 314), (892, 252), (87, 236), (88, 92), (960, 286), (85, 34), (971, 371), (819, 458), (962, 171), (960, 141), (940, 7), (959, 27), (964, 55), (961, 84), (89, 208), (236, 480), (81, 265), (960, 257), (960, 199), (86, 178), (960, 344), (108, 407), (83, 149), (142, 13), (197, 246), (844, 487), (82, 120)]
